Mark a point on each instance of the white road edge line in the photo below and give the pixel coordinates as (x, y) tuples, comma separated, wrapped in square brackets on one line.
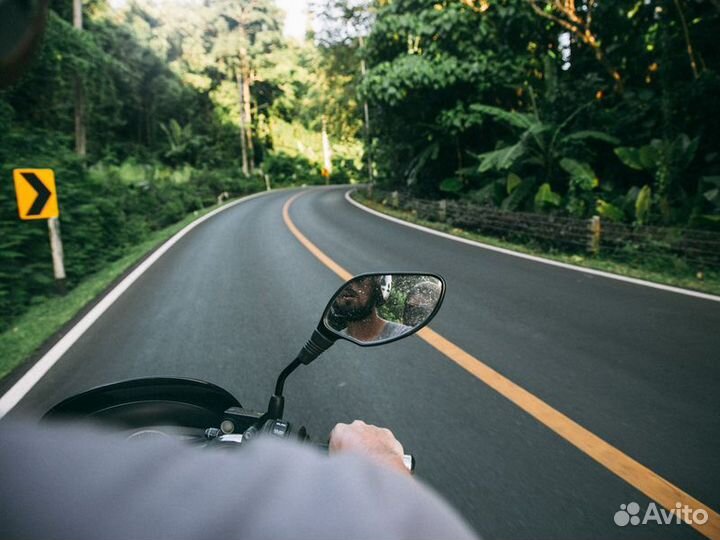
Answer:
[(584, 270), (50, 358)]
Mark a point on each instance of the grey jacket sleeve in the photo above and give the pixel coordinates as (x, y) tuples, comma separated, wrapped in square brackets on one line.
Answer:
[(77, 483)]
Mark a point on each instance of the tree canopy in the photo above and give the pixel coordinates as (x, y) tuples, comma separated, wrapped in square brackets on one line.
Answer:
[(572, 107)]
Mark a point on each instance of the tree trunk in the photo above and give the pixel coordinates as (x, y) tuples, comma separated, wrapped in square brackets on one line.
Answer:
[(366, 111), (80, 133), (77, 14), (243, 139), (248, 118), (688, 43), (327, 152)]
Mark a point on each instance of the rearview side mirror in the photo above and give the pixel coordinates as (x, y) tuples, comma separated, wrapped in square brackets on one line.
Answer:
[(374, 309)]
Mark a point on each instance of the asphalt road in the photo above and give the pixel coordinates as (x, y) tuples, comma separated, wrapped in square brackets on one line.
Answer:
[(233, 301)]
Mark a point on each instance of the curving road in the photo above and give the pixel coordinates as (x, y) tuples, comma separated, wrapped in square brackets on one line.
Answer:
[(236, 298)]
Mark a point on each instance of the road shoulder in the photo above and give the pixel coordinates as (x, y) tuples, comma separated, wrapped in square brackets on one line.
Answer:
[(611, 270)]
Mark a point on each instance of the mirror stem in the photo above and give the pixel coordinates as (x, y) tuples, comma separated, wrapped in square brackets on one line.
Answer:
[(276, 405), (280, 384), (315, 346)]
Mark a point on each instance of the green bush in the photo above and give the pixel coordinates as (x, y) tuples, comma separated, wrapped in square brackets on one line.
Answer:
[(285, 169), (103, 211)]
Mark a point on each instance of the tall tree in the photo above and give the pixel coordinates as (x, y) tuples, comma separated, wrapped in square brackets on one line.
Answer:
[(240, 33), (343, 27), (80, 105)]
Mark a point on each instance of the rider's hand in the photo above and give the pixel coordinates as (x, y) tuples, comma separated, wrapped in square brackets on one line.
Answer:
[(378, 444)]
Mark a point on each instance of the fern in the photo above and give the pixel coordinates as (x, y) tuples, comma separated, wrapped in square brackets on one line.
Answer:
[(513, 118)]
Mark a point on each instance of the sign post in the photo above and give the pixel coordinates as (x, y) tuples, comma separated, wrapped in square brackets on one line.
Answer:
[(57, 249), (36, 196), (595, 235)]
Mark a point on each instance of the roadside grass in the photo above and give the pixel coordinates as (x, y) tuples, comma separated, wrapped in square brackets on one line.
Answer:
[(29, 331), (665, 270)]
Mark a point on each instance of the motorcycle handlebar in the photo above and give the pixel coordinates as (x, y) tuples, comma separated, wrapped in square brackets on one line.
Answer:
[(408, 459), (211, 433)]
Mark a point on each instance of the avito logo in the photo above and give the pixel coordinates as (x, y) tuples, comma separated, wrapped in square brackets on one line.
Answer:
[(630, 514)]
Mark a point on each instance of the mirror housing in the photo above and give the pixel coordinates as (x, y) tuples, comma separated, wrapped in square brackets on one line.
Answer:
[(375, 309), (379, 308)]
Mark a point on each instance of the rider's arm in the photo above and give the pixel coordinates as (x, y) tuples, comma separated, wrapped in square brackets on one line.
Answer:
[(72, 482)]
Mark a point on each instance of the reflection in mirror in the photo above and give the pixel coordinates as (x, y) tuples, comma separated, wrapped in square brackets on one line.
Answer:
[(420, 301), (381, 307)]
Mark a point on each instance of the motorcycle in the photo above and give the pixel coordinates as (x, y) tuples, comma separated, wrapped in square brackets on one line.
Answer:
[(368, 310)]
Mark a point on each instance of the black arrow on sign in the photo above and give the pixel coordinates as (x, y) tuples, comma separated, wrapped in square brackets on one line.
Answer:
[(43, 193)]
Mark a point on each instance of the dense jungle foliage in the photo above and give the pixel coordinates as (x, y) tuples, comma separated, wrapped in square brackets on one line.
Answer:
[(573, 107), (179, 103)]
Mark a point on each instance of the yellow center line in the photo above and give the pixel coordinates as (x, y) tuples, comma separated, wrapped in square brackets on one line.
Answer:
[(634, 473)]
